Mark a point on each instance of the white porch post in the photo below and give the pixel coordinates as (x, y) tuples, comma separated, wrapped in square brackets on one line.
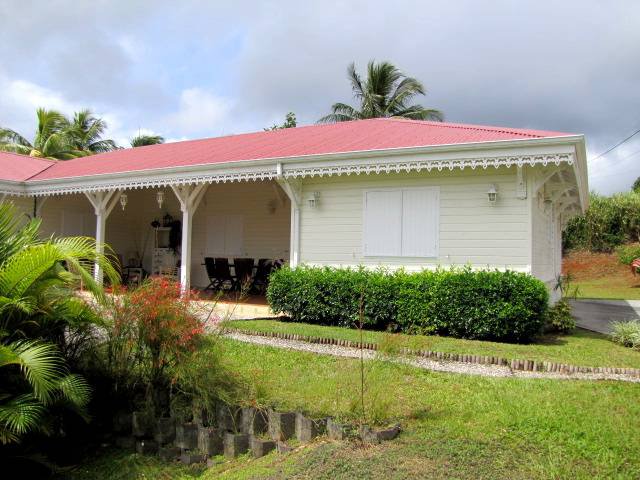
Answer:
[(103, 203), (189, 197), (293, 189)]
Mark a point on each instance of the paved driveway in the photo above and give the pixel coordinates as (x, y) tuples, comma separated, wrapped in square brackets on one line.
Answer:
[(596, 315)]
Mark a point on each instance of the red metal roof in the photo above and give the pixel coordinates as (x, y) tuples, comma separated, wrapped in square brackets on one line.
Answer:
[(345, 137), (18, 168)]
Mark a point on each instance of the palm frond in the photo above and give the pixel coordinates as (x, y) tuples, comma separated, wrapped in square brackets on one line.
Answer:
[(74, 389), (18, 416), (39, 362), (144, 140), (341, 113), (8, 136)]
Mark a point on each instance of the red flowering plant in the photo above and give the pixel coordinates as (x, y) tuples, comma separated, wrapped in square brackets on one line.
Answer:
[(151, 330)]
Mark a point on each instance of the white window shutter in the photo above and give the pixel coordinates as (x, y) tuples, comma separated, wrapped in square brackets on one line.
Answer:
[(234, 235), (420, 221), (215, 234), (383, 223)]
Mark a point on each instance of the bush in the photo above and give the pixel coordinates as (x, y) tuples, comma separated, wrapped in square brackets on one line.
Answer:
[(490, 305), (628, 253), (559, 318), (627, 333), (609, 222)]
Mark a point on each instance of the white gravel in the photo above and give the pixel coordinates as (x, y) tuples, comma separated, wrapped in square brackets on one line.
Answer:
[(420, 362)]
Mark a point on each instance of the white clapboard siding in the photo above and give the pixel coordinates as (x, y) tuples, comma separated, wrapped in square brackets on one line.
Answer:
[(470, 230)]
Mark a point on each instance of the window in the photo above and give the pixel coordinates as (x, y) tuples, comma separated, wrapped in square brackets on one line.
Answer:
[(401, 223)]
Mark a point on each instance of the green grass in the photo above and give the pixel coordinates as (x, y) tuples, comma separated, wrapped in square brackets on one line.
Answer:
[(455, 426), (606, 288), (582, 348)]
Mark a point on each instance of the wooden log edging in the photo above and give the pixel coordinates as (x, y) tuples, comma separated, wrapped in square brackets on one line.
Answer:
[(513, 364)]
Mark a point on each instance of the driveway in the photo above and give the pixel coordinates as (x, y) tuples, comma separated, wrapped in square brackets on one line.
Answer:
[(597, 315)]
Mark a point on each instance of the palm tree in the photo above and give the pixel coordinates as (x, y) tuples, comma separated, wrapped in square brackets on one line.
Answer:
[(51, 139), (37, 303), (86, 130), (141, 140), (39, 381), (386, 92)]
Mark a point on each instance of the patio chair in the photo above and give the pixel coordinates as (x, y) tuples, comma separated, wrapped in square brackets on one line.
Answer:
[(223, 273), (261, 278), (243, 271), (210, 267)]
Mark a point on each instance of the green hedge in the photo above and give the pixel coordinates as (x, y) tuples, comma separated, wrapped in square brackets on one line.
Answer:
[(487, 305)]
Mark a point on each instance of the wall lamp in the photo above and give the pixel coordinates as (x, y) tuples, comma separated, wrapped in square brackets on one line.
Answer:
[(492, 194)]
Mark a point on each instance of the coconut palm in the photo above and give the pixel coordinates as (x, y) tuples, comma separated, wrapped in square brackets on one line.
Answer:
[(51, 139), (144, 140), (38, 307), (86, 131), (386, 92)]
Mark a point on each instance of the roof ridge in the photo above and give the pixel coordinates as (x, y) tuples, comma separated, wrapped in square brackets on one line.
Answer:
[(467, 126)]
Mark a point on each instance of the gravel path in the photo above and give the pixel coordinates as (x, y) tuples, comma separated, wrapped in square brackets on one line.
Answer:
[(428, 364)]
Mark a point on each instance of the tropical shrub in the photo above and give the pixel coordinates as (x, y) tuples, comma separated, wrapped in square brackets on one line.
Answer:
[(628, 253), (42, 322), (626, 333), (495, 305), (559, 318), (148, 331), (35, 379), (609, 222)]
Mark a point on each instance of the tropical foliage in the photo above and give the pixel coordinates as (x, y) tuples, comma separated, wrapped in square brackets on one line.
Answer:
[(86, 131), (609, 222), (142, 140), (41, 321), (386, 92), (57, 137), (290, 121)]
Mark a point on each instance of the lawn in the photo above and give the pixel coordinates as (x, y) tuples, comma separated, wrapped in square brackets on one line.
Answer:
[(601, 275), (580, 348), (455, 426)]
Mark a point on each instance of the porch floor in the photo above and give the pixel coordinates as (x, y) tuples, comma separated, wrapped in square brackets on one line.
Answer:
[(231, 306)]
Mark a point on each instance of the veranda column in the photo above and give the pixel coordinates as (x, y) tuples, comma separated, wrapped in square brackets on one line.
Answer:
[(189, 197), (103, 203), (293, 189)]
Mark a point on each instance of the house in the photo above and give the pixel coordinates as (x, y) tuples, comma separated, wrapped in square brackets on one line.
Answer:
[(390, 192)]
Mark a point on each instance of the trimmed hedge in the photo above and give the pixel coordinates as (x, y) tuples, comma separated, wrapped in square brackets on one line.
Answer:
[(488, 305)]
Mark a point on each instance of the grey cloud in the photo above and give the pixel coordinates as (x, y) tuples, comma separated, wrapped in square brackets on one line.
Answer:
[(568, 66)]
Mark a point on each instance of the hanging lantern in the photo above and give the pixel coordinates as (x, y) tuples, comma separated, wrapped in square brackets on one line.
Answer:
[(160, 198), (123, 200)]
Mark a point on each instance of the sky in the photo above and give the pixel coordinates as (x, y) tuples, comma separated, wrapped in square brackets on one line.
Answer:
[(193, 68)]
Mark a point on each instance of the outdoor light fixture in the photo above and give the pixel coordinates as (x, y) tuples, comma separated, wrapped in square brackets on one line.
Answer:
[(492, 194), (160, 198), (313, 201), (123, 200)]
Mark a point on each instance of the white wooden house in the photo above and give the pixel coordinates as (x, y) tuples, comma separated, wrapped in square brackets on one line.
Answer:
[(391, 192)]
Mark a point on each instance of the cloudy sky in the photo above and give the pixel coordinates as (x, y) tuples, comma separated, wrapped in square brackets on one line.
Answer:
[(188, 69)]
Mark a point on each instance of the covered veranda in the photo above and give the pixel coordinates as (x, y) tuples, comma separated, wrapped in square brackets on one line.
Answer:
[(171, 229)]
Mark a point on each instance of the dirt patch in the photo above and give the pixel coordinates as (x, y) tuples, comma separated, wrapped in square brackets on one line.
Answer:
[(585, 265)]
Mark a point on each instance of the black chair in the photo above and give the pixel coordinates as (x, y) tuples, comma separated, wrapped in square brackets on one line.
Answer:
[(261, 278), (243, 271), (210, 267), (223, 273)]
